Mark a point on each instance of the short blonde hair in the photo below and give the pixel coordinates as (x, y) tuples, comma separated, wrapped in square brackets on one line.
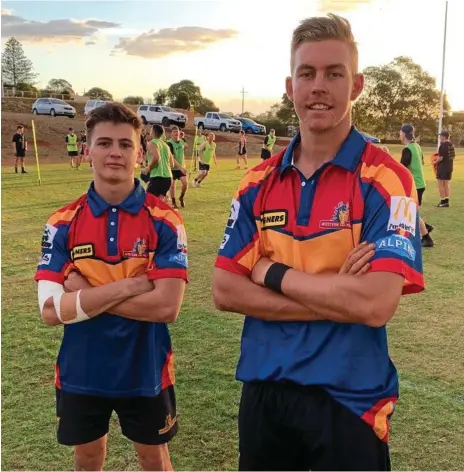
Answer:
[(325, 28)]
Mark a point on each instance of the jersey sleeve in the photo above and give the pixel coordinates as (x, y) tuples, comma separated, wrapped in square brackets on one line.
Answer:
[(55, 261), (391, 221), (170, 259), (240, 249)]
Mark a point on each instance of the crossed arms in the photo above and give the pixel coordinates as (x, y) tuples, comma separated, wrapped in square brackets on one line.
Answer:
[(351, 296), (136, 298)]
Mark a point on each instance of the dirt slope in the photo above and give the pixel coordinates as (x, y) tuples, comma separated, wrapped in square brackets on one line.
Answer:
[(51, 132)]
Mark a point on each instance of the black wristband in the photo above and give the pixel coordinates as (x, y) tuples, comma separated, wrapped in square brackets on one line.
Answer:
[(274, 276)]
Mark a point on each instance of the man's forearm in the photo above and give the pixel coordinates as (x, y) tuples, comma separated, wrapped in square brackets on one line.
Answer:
[(341, 298), (238, 294), (145, 307), (93, 301)]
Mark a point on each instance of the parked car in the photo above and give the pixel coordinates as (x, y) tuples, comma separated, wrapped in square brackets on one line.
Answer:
[(92, 104), (53, 107), (251, 127), (369, 138), (159, 114), (218, 121)]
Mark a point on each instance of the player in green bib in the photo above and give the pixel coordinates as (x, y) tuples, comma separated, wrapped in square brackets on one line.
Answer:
[(198, 141), (177, 148), (160, 165), (72, 148), (268, 145), (413, 159), (207, 156)]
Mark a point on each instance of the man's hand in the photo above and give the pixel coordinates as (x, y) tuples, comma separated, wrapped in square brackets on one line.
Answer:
[(75, 282), (356, 263)]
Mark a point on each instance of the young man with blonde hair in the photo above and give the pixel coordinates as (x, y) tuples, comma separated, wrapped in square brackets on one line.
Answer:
[(113, 272), (321, 241)]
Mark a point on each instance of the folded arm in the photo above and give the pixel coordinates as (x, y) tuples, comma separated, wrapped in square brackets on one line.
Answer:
[(161, 304), (238, 294), (371, 299), (58, 306)]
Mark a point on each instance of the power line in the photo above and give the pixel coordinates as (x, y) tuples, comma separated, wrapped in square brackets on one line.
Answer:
[(243, 92)]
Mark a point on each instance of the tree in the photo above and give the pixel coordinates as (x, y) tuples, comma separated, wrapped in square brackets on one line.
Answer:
[(286, 112), (247, 114), (16, 67), (188, 87), (133, 100), (395, 93), (181, 101), (60, 86), (97, 92), (160, 97), (455, 125), (205, 106)]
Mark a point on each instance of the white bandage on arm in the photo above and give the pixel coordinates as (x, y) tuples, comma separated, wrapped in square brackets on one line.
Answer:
[(67, 305)]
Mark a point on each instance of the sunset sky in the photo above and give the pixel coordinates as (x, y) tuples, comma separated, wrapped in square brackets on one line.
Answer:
[(135, 48)]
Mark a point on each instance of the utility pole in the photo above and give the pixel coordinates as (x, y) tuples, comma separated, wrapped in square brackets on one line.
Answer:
[(440, 118), (243, 99)]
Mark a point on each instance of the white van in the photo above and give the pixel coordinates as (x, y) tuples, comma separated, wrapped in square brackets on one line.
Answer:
[(92, 104)]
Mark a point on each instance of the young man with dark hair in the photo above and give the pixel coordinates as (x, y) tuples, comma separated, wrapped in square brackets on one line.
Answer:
[(445, 163), (319, 387), (113, 272), (412, 158), (19, 148), (72, 147)]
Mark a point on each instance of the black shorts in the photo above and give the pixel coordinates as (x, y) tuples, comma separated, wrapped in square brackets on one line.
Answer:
[(177, 174), (203, 166), (242, 152), (290, 427), (145, 420), (265, 154), (20, 154), (73, 153), (420, 192), (159, 186), (445, 170)]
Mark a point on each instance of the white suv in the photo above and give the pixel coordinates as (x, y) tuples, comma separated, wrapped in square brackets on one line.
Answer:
[(92, 104), (159, 114)]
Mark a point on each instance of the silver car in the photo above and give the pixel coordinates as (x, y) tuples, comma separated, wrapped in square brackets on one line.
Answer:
[(53, 107)]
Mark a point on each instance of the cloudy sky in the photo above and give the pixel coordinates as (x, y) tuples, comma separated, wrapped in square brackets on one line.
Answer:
[(135, 48)]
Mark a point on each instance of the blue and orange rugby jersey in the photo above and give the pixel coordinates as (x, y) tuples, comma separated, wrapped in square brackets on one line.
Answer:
[(312, 224), (110, 355)]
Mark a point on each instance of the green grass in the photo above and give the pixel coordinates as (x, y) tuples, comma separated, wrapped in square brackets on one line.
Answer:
[(426, 338)]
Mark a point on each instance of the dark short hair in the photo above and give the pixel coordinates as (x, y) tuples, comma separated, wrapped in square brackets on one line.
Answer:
[(19, 127), (113, 112), (158, 130)]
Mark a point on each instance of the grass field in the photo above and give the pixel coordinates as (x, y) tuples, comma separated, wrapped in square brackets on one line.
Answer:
[(426, 338)]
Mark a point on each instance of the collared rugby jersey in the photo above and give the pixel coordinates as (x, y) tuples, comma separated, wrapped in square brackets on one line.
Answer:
[(312, 224), (110, 355)]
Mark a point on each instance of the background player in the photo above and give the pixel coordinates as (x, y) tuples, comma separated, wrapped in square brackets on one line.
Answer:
[(19, 148), (207, 156), (177, 148), (242, 150)]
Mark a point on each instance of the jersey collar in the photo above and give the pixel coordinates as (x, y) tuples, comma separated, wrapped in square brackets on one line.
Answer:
[(348, 155), (132, 204)]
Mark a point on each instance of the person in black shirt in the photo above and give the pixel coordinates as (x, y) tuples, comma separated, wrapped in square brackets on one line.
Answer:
[(446, 155), (82, 146), (143, 143), (20, 148)]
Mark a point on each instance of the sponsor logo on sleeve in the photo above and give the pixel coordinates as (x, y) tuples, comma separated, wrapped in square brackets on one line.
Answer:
[(48, 236), (274, 219), (225, 239), (234, 211), (398, 245), (181, 238), (180, 258), (403, 212), (45, 259)]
